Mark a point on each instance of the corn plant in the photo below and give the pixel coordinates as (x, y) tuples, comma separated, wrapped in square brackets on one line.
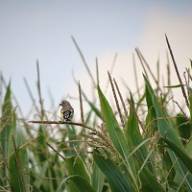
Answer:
[(140, 145)]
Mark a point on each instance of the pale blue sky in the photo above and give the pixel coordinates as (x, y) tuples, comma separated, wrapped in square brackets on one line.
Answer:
[(37, 29)]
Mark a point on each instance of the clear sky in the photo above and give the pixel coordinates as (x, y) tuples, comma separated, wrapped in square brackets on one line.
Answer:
[(31, 30)]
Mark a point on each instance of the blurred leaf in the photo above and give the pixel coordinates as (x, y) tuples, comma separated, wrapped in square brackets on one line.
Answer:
[(76, 166), (117, 180), (42, 150), (8, 122), (92, 106), (18, 170), (149, 183), (97, 178), (184, 127), (88, 117), (7, 128), (81, 183), (190, 101), (173, 86), (180, 153), (188, 148)]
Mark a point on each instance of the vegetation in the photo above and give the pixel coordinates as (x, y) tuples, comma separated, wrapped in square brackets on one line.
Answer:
[(141, 145)]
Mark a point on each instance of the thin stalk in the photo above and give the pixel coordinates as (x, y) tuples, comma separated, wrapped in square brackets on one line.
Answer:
[(177, 71), (57, 152), (97, 71), (63, 122), (39, 91), (81, 103), (30, 94), (84, 60), (121, 98), (116, 100), (144, 62), (135, 75), (111, 69)]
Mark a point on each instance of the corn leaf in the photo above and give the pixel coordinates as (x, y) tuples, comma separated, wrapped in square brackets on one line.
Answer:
[(164, 125), (117, 180), (18, 170), (97, 178), (76, 166), (81, 184), (7, 128), (187, 161), (115, 133)]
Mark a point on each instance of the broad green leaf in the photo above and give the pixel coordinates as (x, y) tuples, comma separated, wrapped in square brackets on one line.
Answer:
[(132, 131), (76, 166), (117, 137), (164, 125), (117, 180), (166, 129), (81, 183), (187, 161), (149, 182), (18, 171), (97, 178), (134, 139), (7, 128), (8, 122), (42, 150)]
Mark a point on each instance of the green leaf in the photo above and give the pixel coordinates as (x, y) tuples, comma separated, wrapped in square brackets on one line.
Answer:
[(8, 122), (132, 131), (76, 166), (188, 148), (81, 183), (166, 129), (158, 115), (18, 170), (190, 101), (97, 178), (117, 180), (149, 183), (92, 106), (187, 161), (7, 128), (42, 150), (184, 127), (111, 124)]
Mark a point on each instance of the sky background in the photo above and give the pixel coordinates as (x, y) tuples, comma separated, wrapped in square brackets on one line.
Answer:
[(31, 30)]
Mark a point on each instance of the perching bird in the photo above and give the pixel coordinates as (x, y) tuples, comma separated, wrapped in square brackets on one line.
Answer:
[(66, 110)]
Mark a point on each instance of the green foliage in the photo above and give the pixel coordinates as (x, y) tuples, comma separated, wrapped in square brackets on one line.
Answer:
[(116, 135), (116, 179), (18, 169), (150, 149)]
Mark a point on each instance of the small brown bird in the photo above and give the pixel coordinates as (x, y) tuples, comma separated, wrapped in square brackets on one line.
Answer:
[(66, 110)]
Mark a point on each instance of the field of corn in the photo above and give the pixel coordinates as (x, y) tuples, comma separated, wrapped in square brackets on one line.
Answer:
[(139, 145)]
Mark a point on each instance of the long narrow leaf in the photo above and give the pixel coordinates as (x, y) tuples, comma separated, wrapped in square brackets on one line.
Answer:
[(117, 181)]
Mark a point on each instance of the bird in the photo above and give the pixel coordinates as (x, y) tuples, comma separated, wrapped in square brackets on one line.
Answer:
[(66, 110)]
